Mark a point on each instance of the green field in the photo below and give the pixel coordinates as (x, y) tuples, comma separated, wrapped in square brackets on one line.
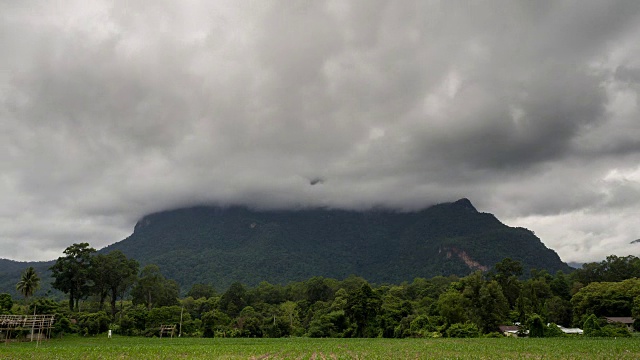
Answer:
[(73, 347)]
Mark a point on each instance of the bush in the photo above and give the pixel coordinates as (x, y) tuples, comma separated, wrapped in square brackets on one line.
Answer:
[(615, 330), (6, 303), (591, 326), (466, 330), (536, 326), (94, 323), (552, 330), (63, 325)]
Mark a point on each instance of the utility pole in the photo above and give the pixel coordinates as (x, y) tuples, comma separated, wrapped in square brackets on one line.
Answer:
[(180, 332)]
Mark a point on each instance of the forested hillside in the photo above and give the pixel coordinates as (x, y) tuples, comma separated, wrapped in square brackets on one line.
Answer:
[(224, 245), (220, 246)]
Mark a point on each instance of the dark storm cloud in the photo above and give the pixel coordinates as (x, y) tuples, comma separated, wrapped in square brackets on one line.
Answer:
[(109, 111)]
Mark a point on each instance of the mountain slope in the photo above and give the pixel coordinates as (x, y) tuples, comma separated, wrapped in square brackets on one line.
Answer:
[(10, 272), (222, 245)]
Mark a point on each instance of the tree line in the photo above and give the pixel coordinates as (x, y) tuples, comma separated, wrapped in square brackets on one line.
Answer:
[(470, 306)]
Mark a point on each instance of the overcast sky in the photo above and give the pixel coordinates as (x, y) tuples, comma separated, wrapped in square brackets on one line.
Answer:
[(110, 111)]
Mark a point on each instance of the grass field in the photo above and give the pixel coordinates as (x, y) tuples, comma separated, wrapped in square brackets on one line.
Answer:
[(74, 347)]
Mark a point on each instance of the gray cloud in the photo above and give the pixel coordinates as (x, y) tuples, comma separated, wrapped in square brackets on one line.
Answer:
[(110, 111)]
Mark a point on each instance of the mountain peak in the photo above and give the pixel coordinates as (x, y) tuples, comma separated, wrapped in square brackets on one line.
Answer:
[(466, 203)]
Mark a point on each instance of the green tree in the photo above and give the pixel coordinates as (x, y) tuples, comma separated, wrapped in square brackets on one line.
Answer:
[(234, 299), (536, 326), (558, 311), (29, 282), (453, 307), (493, 307), (506, 273), (113, 274), (466, 330), (198, 291), (362, 307), (612, 269), (591, 326), (606, 299), (215, 321), (318, 290), (6, 303), (561, 286), (152, 289), (72, 273)]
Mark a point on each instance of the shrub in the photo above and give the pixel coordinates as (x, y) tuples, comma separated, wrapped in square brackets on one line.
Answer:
[(615, 330), (536, 326), (94, 323), (466, 330), (552, 330), (591, 326)]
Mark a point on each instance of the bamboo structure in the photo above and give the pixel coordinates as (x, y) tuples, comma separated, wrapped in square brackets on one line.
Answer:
[(42, 324), (167, 330)]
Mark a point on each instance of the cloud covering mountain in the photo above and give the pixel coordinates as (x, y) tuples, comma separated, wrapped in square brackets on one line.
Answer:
[(112, 110)]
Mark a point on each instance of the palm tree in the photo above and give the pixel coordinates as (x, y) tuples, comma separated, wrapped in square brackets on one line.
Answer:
[(29, 282)]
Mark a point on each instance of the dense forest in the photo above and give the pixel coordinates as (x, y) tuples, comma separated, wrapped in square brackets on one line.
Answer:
[(110, 291), (239, 244), (236, 244)]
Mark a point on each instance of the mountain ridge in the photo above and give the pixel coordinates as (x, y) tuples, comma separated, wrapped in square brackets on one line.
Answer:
[(222, 245), (237, 243)]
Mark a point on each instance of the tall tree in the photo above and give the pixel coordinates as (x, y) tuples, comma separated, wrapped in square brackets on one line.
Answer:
[(152, 289), (234, 299), (362, 308), (506, 273), (112, 275), (29, 282), (72, 273), (6, 303)]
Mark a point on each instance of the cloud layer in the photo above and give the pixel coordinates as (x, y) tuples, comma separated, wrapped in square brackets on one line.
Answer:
[(111, 111)]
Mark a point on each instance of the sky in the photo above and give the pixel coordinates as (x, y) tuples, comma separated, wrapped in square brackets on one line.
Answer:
[(110, 110)]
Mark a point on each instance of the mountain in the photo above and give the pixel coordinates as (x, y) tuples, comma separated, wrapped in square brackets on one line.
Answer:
[(575, 265), (10, 272), (222, 245)]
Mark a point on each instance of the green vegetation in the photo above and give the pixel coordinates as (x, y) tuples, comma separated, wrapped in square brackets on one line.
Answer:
[(453, 307), (470, 306), (29, 282), (75, 347), (220, 246)]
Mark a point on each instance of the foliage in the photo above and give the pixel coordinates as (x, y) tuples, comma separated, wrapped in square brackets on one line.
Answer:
[(44, 306), (153, 290), (606, 298), (112, 275), (466, 330), (215, 321), (536, 326), (93, 323), (552, 330), (29, 282), (6, 303), (591, 326), (235, 244), (612, 269), (72, 273), (198, 291)]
